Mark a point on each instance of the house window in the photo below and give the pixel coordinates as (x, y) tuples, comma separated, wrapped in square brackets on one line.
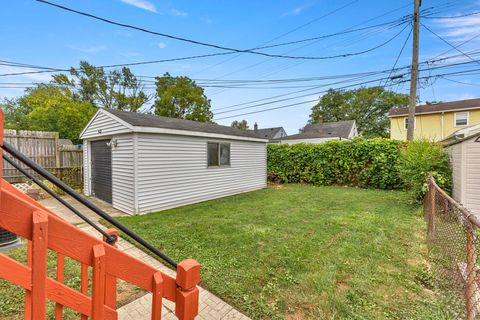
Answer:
[(461, 119), (405, 122), (218, 154)]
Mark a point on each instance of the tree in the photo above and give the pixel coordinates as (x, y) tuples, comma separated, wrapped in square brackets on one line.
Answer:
[(367, 106), (182, 98), (116, 89), (243, 125), (48, 107)]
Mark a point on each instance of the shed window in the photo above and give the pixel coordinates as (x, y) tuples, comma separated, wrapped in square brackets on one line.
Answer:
[(405, 122), (218, 154), (461, 119)]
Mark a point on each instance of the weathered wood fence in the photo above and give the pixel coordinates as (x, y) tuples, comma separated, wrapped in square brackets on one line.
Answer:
[(63, 160)]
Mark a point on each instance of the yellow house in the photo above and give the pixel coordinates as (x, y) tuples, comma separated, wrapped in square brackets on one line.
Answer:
[(435, 121)]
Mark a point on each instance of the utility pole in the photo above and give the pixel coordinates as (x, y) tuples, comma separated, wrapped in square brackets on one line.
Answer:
[(414, 72)]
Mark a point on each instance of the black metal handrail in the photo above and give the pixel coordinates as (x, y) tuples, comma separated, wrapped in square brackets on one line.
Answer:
[(60, 184), (109, 238)]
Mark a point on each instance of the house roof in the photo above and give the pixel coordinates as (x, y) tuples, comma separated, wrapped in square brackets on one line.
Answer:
[(268, 133), (437, 107), (153, 121), (461, 135), (340, 129)]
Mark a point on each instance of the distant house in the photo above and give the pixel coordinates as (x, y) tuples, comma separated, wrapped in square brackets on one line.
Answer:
[(272, 134), (324, 131), (464, 150), (142, 163), (435, 121)]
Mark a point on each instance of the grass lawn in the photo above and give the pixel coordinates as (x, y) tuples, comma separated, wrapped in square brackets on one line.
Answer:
[(304, 252), (12, 298)]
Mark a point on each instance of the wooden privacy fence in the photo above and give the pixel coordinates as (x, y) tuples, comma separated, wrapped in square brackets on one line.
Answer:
[(63, 160), (453, 251)]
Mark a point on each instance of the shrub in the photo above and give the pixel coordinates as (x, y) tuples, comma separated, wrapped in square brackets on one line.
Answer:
[(367, 163), (420, 158)]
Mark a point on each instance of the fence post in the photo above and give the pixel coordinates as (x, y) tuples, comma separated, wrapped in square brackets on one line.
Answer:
[(111, 281), (432, 211), (471, 273), (188, 276)]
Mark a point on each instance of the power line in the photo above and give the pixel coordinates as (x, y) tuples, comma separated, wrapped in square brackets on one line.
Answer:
[(314, 100), (313, 93), (251, 51), (452, 17), (399, 54), (365, 74), (451, 45), (282, 35)]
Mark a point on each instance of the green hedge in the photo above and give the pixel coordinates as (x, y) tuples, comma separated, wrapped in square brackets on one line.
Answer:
[(367, 163)]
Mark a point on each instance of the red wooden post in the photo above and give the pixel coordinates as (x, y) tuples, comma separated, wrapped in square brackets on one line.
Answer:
[(157, 294), (39, 264), (84, 284), (111, 282), (60, 278), (27, 310), (98, 282), (188, 276)]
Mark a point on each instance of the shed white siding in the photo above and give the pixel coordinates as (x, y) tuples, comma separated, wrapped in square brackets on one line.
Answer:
[(472, 177), (123, 175), (103, 124), (172, 170), (457, 174)]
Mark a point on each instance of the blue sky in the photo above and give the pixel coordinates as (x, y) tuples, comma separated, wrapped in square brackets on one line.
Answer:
[(39, 34)]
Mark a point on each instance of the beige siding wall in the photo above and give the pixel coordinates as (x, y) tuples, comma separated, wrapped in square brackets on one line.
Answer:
[(123, 190), (472, 177), (172, 171), (103, 125)]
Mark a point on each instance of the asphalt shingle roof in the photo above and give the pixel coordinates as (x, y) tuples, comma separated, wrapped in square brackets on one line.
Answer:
[(153, 121), (268, 133), (437, 107), (340, 129)]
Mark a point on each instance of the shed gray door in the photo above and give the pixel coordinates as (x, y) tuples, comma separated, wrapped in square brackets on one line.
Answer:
[(101, 154)]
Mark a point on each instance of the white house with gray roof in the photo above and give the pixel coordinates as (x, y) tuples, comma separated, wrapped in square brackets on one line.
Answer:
[(142, 163), (324, 131)]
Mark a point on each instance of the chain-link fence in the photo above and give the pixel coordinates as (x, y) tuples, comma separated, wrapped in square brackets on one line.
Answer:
[(452, 238)]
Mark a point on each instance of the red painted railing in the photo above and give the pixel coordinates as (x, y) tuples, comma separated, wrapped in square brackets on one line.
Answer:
[(44, 231)]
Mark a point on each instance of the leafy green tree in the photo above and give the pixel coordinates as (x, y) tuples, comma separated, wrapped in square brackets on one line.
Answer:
[(367, 106), (182, 98), (243, 125), (48, 107), (116, 89)]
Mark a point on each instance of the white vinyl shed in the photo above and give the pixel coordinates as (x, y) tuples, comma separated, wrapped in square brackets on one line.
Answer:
[(142, 163), (465, 158)]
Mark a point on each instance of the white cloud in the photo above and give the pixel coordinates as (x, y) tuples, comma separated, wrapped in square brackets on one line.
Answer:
[(40, 77), (460, 29), (142, 4), (162, 45), (296, 11), (88, 49), (178, 13)]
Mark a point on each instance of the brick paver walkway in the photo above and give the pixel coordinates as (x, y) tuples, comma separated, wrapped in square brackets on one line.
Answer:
[(211, 307)]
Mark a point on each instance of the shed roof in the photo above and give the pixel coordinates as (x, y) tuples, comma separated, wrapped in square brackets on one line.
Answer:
[(268, 133), (153, 121), (340, 129), (437, 107)]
